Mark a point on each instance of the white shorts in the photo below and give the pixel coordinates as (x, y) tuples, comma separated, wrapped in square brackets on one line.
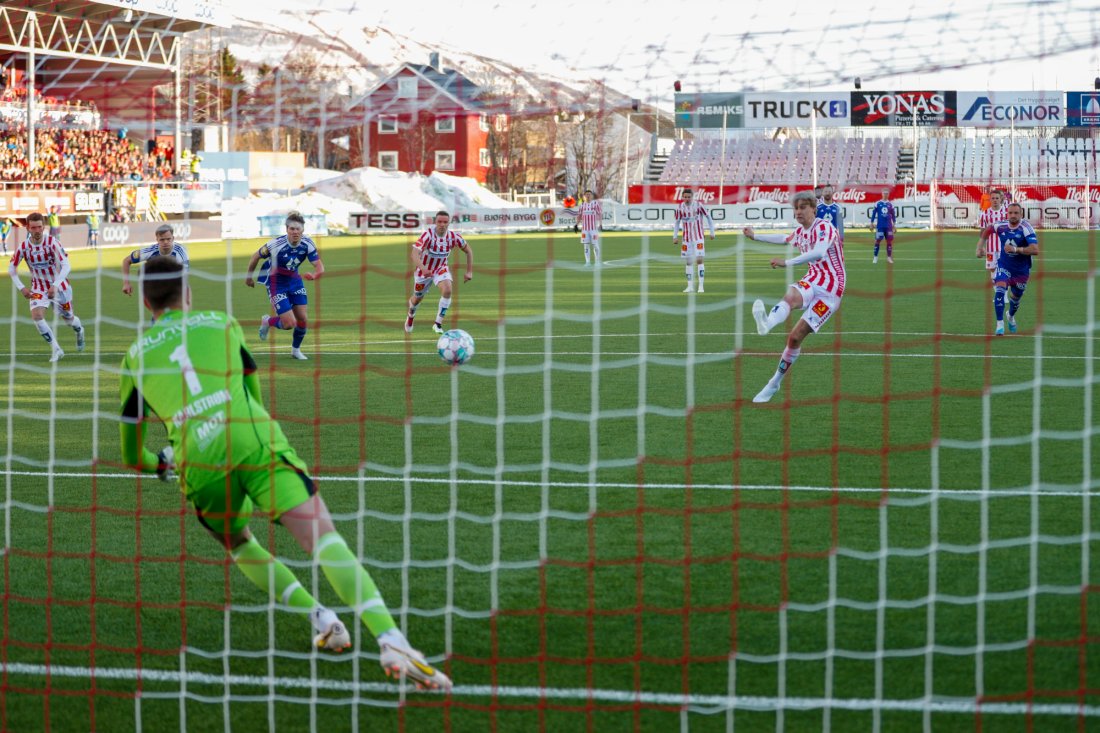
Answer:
[(819, 304), (62, 301), (423, 283), (592, 237), (692, 250)]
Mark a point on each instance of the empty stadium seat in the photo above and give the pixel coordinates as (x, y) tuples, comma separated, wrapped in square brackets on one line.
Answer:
[(760, 160)]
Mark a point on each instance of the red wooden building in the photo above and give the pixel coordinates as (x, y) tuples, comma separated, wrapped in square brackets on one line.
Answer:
[(424, 118)]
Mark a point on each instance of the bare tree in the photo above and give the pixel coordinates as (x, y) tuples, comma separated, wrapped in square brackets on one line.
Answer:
[(288, 102), (593, 144)]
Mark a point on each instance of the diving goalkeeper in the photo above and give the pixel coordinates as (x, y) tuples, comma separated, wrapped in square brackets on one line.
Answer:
[(193, 371)]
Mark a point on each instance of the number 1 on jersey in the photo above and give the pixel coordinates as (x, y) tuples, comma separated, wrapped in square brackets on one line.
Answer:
[(179, 356)]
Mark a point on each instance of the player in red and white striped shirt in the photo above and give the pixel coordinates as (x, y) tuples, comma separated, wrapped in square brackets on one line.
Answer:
[(688, 233), (818, 292), (429, 257), (50, 267), (988, 245), (589, 220)]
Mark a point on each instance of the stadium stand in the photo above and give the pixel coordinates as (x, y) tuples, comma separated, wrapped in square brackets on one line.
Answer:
[(70, 143), (80, 155), (759, 160), (875, 160), (991, 158)]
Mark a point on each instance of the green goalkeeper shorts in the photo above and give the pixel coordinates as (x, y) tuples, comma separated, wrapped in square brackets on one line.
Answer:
[(272, 483)]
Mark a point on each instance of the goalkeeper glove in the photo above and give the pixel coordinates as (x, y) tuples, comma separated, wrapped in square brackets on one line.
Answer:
[(166, 464)]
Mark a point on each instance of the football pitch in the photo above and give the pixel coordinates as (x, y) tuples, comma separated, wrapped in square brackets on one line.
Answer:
[(590, 525)]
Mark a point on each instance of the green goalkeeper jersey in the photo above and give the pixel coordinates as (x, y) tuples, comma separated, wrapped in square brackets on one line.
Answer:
[(193, 372)]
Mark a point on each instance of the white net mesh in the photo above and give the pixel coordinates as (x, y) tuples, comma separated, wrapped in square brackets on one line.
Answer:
[(591, 524)]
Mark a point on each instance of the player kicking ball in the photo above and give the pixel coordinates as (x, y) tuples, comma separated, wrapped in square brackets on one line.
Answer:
[(818, 292), (193, 371)]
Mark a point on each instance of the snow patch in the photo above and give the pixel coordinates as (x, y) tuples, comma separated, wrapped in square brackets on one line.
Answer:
[(337, 195), (381, 190), (241, 216), (315, 175)]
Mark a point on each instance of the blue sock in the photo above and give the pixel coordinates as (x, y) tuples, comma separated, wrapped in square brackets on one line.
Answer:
[(300, 335), (1016, 294), (876, 249), (999, 302)]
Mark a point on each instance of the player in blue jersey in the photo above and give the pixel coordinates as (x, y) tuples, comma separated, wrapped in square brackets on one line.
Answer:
[(882, 224), (166, 246), (831, 211), (1019, 244), (282, 256)]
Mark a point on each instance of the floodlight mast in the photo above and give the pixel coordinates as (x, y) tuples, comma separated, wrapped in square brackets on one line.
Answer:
[(32, 25)]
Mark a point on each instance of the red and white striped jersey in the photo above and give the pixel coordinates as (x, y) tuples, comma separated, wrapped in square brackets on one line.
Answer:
[(434, 249), (44, 260), (689, 220), (991, 218), (827, 273), (591, 215)]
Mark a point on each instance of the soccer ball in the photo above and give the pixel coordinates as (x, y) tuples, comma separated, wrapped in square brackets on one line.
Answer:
[(455, 347), (569, 202)]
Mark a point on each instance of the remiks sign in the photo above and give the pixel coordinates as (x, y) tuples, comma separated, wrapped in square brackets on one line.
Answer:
[(714, 110), (1010, 109)]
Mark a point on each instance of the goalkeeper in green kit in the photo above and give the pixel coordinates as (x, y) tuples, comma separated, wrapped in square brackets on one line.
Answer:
[(192, 371)]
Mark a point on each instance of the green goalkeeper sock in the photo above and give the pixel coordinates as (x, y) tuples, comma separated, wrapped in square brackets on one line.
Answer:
[(353, 583), (271, 576)]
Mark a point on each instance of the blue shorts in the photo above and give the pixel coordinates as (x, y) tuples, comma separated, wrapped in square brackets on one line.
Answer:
[(283, 300), (1011, 277), (883, 233)]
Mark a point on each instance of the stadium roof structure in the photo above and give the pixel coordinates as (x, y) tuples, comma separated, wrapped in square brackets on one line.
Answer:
[(112, 53)]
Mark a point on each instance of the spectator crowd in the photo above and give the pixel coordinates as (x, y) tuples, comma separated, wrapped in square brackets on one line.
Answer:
[(84, 155)]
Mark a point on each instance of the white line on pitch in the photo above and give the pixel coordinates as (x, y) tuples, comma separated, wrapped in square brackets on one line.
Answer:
[(725, 702), (557, 353), (585, 485)]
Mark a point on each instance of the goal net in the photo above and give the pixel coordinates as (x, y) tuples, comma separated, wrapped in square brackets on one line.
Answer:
[(590, 521), (591, 524)]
